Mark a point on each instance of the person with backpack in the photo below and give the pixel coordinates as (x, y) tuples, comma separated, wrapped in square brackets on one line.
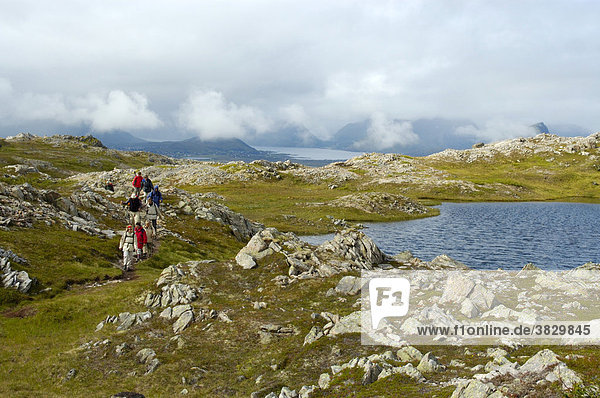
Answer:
[(147, 185), (109, 186), (141, 239), (128, 244), (137, 182), (134, 205), (152, 213), (156, 196)]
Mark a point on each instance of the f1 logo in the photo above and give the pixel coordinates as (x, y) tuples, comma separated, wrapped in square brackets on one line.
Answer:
[(389, 298)]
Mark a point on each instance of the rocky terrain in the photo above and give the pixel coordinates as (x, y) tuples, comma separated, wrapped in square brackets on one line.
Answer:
[(232, 302)]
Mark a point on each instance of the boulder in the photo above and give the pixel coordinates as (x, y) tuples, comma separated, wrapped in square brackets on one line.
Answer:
[(184, 320), (245, 260), (356, 247), (409, 354), (430, 364), (445, 262), (349, 285)]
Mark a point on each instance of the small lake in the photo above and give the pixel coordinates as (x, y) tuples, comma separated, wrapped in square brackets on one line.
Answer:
[(492, 235)]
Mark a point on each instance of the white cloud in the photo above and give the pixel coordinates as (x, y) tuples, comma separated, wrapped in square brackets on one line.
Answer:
[(211, 116), (119, 110), (498, 129), (384, 133), (102, 112)]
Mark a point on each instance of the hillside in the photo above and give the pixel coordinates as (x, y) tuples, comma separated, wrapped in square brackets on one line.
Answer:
[(232, 302)]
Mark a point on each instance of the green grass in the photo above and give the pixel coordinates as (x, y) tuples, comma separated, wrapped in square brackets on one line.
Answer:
[(290, 204)]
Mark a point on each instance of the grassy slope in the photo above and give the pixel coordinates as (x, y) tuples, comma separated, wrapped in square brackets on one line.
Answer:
[(38, 350)]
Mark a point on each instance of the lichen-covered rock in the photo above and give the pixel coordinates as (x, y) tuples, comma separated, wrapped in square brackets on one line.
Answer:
[(356, 247), (349, 285), (430, 364)]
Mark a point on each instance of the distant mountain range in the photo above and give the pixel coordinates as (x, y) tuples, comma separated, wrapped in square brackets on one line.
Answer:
[(223, 149), (434, 135)]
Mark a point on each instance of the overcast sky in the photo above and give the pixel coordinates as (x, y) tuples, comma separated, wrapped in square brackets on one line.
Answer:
[(222, 69)]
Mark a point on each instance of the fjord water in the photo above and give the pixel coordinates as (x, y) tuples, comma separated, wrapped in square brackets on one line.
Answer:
[(498, 235)]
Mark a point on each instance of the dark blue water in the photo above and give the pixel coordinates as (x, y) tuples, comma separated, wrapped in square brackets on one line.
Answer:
[(493, 235)]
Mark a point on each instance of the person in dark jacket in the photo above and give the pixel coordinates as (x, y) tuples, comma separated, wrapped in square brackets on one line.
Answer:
[(137, 183), (156, 196), (147, 185), (134, 205)]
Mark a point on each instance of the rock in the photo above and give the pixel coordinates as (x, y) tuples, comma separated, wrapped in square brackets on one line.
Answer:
[(458, 288), (127, 320), (313, 335), (354, 246), (145, 355), (409, 354), (372, 372), (349, 285), (10, 278), (445, 262), (307, 391), (473, 389), (324, 380), (127, 394), (122, 349), (245, 260), (170, 275), (184, 320), (154, 363), (72, 373), (469, 309), (173, 294), (348, 324), (547, 364), (430, 364), (286, 392)]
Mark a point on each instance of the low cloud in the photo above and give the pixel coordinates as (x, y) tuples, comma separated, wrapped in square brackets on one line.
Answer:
[(211, 116), (384, 133), (120, 110), (497, 130), (101, 112)]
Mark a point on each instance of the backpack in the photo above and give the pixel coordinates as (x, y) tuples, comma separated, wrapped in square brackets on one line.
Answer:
[(134, 204), (147, 185)]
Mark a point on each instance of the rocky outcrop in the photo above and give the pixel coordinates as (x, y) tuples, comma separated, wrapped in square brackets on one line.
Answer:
[(23, 205), (505, 377), (10, 278), (354, 246), (379, 203), (197, 205), (125, 320), (541, 143), (348, 250)]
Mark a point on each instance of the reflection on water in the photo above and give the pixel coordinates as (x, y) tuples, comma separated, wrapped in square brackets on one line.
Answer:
[(493, 235)]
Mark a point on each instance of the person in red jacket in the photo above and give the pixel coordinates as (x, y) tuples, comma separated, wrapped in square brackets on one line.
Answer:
[(137, 183), (141, 238)]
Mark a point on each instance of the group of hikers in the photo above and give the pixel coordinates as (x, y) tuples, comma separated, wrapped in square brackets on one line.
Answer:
[(143, 206)]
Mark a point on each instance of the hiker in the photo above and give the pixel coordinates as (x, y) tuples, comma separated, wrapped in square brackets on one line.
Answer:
[(128, 244), (134, 204), (147, 185), (156, 196), (109, 186), (141, 239), (152, 213), (151, 236), (137, 182)]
